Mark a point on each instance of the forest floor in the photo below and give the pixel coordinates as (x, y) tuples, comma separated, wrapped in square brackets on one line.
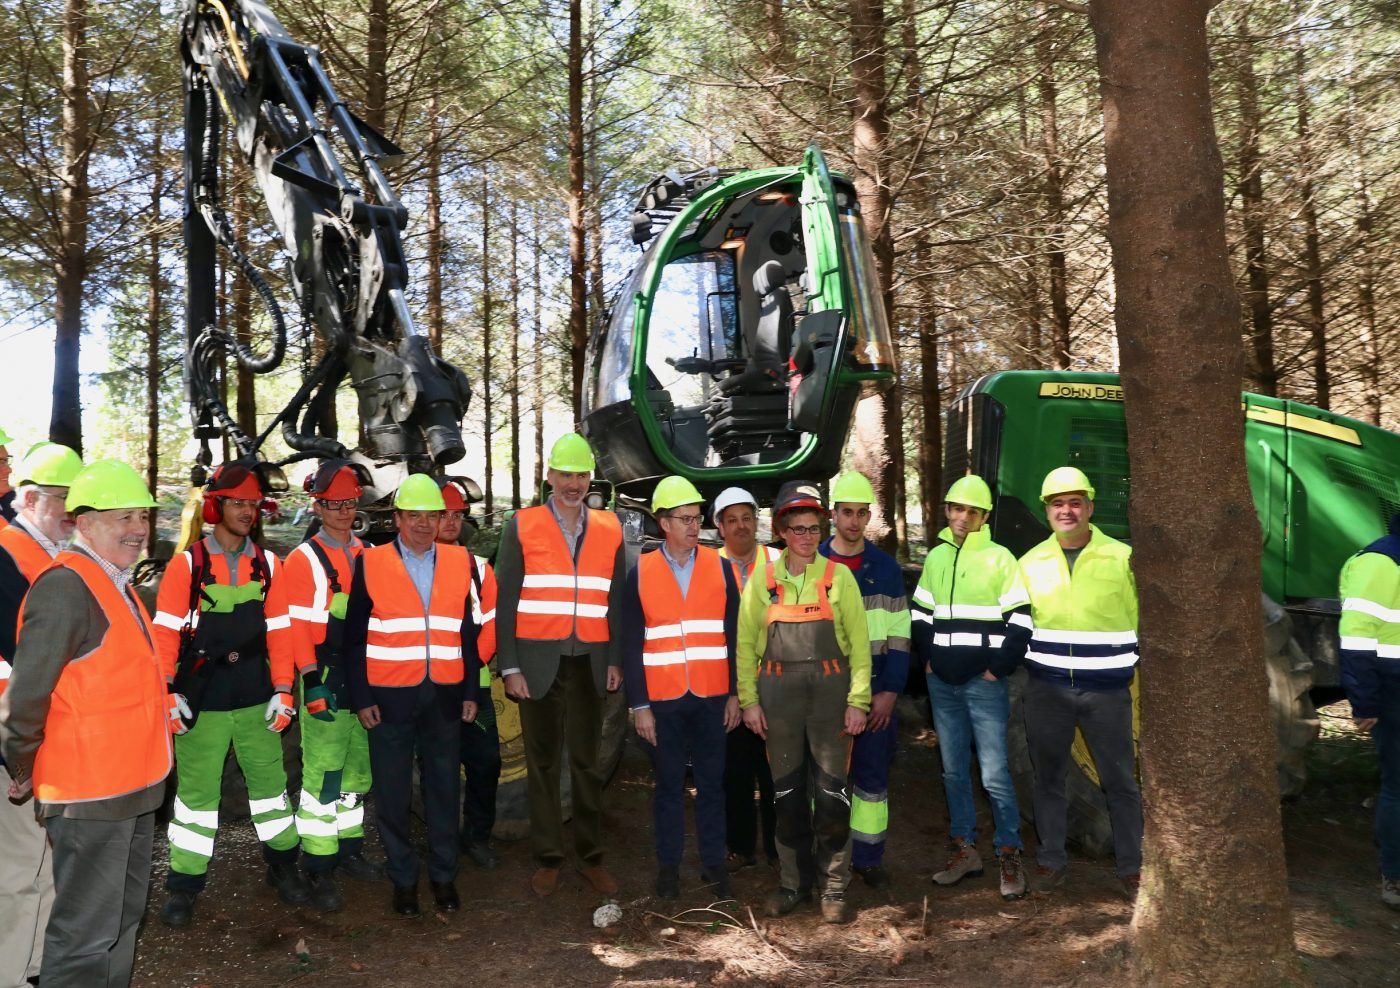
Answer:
[(913, 934)]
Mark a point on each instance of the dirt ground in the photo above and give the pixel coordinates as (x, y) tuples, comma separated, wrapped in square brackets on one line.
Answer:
[(915, 934)]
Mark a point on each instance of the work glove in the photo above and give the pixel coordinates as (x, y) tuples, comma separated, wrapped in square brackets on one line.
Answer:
[(320, 701), (178, 712), (279, 712)]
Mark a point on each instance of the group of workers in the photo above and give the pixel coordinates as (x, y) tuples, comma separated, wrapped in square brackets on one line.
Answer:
[(748, 667)]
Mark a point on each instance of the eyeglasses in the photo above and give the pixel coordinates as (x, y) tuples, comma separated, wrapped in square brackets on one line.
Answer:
[(686, 520), (337, 505), (804, 530)]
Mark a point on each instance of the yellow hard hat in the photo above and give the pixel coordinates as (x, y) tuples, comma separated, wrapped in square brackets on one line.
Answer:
[(419, 492), (108, 485), (852, 487), (571, 454), (1065, 480), (50, 465), (672, 492), (971, 490)]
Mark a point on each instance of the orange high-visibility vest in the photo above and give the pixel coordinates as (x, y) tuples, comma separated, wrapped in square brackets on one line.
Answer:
[(684, 647), (780, 610), (31, 559), (556, 598), (407, 644), (106, 733)]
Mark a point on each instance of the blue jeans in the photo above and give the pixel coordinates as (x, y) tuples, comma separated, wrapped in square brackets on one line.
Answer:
[(1387, 737), (979, 709)]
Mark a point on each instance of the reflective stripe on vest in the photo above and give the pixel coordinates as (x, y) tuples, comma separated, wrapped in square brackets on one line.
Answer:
[(559, 599), (684, 646), (317, 610), (780, 610), (30, 557), (106, 734), (484, 611), (407, 644)]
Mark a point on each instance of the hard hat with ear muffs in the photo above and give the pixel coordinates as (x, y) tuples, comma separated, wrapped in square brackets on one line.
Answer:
[(235, 479), (337, 480)]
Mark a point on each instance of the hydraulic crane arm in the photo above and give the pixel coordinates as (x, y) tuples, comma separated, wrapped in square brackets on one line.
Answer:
[(342, 240)]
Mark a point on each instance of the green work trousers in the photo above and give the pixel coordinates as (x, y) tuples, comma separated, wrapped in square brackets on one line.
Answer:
[(572, 712), (805, 705), (199, 761), (335, 777)]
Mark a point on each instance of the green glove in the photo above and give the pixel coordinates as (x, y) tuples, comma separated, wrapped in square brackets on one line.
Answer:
[(319, 700)]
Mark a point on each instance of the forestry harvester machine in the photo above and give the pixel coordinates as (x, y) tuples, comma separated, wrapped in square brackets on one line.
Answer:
[(734, 354)]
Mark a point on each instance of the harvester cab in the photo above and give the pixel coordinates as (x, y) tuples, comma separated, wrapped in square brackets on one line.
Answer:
[(737, 348)]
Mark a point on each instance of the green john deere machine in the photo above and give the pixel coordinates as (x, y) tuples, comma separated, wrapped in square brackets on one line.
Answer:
[(1324, 485)]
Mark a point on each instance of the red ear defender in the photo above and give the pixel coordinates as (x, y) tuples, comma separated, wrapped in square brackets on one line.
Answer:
[(212, 514)]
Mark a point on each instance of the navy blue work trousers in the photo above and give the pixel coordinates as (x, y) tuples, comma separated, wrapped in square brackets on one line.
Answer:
[(690, 728)]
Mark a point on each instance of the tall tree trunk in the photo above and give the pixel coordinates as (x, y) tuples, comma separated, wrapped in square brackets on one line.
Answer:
[(245, 410), (1263, 370), (1032, 340), (154, 316), (1055, 234), (436, 241), (1370, 332), (487, 429), (515, 355), (879, 445), (578, 274), (537, 371), (1312, 237), (377, 64), (66, 416), (1207, 766), (593, 177)]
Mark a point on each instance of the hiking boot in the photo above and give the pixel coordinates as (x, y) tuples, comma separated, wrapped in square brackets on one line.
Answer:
[(1013, 874), (1390, 892), (544, 881), (668, 883), (965, 862), (1131, 884), (875, 876), (178, 911), (360, 868), (835, 909), (783, 901), (406, 900), (483, 855), (324, 893), (445, 897), (1046, 879), (291, 887), (718, 881), (600, 878)]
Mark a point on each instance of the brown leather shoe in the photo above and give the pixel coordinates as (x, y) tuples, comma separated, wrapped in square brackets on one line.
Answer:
[(602, 881), (544, 881)]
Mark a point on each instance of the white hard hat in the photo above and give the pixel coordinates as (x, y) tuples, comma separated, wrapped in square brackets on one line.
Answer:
[(729, 497)]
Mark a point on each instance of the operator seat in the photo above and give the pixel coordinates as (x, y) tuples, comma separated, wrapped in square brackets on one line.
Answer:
[(748, 413)]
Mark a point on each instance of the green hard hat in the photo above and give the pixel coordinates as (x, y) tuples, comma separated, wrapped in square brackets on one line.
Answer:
[(51, 465), (672, 492), (1065, 480), (108, 485), (852, 487), (5, 439), (571, 454), (419, 492), (971, 490)]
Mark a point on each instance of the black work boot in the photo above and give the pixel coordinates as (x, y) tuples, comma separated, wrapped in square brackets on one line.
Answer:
[(718, 881), (286, 879), (178, 911), (668, 882), (783, 901), (360, 868), (482, 854), (324, 892)]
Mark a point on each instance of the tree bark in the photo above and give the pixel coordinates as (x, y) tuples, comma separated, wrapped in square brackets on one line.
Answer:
[(377, 65), (578, 267), (1211, 806), (879, 439), (70, 268), (1263, 370), (1055, 235), (515, 355), (486, 344), (537, 371), (1312, 237), (1032, 341), (1371, 375), (436, 240), (154, 316)]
